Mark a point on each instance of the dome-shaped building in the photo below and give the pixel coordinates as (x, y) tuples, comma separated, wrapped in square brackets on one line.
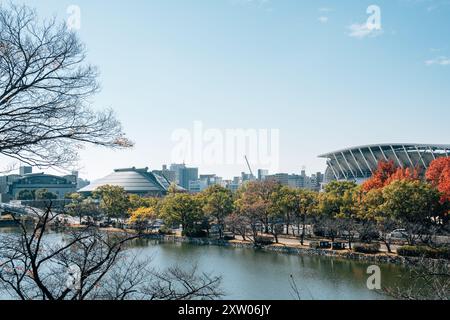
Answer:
[(134, 181)]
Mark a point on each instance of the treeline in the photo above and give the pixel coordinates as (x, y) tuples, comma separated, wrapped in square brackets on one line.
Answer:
[(393, 198)]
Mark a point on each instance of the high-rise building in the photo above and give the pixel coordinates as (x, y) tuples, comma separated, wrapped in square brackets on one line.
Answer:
[(281, 178), (25, 170), (197, 186), (247, 177), (187, 175), (177, 169), (262, 174), (166, 173)]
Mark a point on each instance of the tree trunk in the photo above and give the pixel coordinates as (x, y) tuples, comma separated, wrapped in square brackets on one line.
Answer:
[(387, 243), (288, 223), (302, 239), (220, 232)]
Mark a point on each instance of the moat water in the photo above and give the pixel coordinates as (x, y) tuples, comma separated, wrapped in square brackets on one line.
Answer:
[(254, 275)]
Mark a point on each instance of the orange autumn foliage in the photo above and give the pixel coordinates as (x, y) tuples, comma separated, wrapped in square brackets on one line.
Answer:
[(403, 175), (438, 174), (444, 185), (384, 171), (387, 173)]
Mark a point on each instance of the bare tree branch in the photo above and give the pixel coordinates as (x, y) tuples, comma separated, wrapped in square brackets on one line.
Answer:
[(45, 87)]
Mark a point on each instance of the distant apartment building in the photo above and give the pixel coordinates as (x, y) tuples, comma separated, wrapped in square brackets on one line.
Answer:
[(281, 178), (177, 169), (247, 177), (205, 181), (262, 174), (233, 186), (197, 186), (166, 173), (296, 181), (187, 175), (25, 170), (316, 181)]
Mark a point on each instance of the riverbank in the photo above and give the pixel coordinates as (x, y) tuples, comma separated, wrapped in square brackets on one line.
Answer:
[(295, 250), (291, 249), (281, 248)]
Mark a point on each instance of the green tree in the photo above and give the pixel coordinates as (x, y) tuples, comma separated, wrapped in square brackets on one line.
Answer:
[(250, 210), (261, 192), (184, 209), (415, 204), (334, 204), (82, 207), (284, 205), (74, 208), (114, 201), (44, 194), (25, 195), (137, 202), (142, 218), (307, 205), (348, 213), (218, 204), (371, 212)]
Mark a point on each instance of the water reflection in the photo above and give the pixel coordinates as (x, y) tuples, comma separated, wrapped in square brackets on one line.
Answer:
[(255, 274)]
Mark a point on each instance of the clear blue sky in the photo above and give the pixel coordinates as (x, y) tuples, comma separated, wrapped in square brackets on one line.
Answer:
[(284, 64)]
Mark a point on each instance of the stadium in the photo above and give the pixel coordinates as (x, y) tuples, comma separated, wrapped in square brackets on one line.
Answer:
[(359, 163)]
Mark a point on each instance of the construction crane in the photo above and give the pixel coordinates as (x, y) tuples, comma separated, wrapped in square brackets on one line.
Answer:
[(248, 164)]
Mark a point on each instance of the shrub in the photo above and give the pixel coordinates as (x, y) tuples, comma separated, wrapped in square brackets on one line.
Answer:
[(314, 245), (195, 233), (370, 248), (265, 241), (165, 230), (423, 251)]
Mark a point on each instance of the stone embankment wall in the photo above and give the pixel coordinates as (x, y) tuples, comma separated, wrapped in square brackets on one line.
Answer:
[(373, 258)]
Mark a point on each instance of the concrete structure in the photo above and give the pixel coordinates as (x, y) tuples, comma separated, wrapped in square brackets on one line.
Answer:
[(359, 163), (134, 181), (38, 181)]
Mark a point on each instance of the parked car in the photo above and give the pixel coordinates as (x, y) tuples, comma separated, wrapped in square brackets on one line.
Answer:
[(398, 234)]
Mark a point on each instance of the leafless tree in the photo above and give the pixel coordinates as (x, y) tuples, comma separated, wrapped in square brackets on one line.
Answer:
[(45, 91), (428, 280), (88, 264)]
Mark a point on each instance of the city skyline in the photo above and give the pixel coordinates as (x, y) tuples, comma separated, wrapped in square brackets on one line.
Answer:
[(311, 70)]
